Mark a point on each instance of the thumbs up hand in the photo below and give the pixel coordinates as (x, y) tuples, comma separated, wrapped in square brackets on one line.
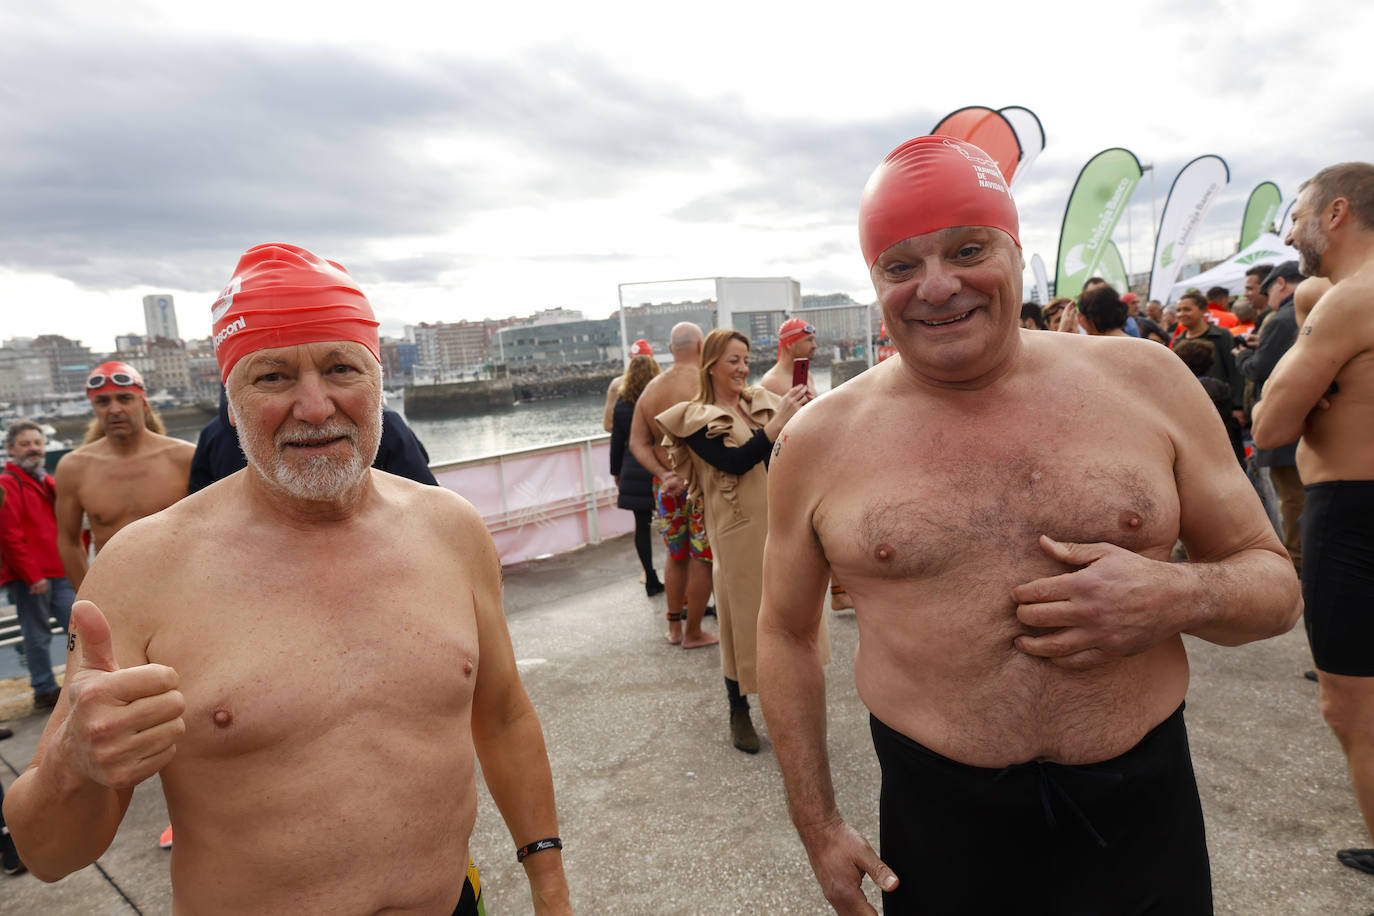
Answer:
[(122, 725)]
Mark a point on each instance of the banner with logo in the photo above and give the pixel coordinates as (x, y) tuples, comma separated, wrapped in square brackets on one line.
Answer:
[(987, 130), (1113, 269), (1191, 195), (1260, 212), (1230, 273), (1029, 133), (1042, 280), (1098, 199)]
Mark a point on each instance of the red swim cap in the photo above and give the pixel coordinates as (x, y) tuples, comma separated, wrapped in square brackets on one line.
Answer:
[(641, 348), (793, 330), (932, 183), (283, 296), (114, 376)]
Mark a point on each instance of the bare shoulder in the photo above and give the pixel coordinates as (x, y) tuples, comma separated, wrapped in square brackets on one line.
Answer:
[(441, 513), (179, 449), (1346, 308), (71, 466)]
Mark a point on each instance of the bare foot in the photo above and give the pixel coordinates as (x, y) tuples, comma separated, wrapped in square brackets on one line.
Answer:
[(674, 634), (700, 639), (840, 600)]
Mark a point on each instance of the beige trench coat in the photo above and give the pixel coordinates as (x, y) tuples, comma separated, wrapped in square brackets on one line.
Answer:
[(736, 509)]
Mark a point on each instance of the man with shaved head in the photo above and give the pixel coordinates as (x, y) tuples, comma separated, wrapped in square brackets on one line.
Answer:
[(307, 653), (1019, 620), (1321, 394), (687, 571)]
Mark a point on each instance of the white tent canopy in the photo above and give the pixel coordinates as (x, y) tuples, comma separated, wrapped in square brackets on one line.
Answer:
[(1230, 273)]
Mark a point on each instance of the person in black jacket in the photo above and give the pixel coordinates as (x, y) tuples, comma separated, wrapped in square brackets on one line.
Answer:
[(218, 454), (636, 484)]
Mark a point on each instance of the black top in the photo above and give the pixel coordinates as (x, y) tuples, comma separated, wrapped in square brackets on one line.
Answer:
[(218, 454), (732, 459), (636, 483)]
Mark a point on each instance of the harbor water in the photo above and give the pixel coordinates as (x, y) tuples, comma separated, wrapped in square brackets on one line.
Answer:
[(526, 425)]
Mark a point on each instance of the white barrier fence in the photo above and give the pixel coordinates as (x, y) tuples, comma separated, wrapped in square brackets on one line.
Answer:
[(543, 500)]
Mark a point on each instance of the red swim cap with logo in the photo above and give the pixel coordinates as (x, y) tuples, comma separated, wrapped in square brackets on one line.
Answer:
[(641, 348), (282, 296), (932, 183), (114, 376), (793, 330)]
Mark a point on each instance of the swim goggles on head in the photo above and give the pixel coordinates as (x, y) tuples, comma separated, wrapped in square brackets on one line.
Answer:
[(118, 379)]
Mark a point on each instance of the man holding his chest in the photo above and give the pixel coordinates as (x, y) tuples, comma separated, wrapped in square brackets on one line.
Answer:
[(1019, 621), (308, 652)]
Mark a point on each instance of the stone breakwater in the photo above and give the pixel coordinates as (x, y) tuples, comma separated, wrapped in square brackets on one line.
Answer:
[(486, 395)]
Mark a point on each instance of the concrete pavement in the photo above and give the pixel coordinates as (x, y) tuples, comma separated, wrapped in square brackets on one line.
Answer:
[(661, 816)]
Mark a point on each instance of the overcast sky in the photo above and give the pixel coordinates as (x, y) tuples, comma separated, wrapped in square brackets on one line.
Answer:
[(496, 159)]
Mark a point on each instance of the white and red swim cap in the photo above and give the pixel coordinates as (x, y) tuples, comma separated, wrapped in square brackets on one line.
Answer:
[(114, 376), (641, 347), (932, 183), (282, 296), (793, 330)]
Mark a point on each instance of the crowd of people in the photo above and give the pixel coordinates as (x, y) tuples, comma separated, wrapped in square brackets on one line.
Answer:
[(1015, 576)]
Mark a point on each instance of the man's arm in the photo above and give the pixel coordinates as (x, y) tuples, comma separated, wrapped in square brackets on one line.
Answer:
[(792, 684), (1328, 341), (113, 726), (68, 508), (13, 545), (507, 736), (642, 447), (612, 393), (1238, 587)]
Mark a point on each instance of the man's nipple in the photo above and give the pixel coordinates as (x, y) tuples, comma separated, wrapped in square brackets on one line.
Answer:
[(884, 552), (1129, 520), (222, 717), (467, 667)]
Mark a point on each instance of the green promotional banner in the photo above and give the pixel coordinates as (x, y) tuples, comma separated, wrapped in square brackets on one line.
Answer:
[(1113, 269), (1099, 197), (1260, 212)]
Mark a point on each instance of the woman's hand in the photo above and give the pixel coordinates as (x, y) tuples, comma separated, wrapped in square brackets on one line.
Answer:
[(791, 403)]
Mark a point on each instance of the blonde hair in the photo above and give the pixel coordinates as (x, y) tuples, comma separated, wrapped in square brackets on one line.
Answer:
[(637, 374), (151, 419), (711, 351)]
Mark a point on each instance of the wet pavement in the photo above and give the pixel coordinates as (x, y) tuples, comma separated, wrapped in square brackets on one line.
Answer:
[(660, 815)]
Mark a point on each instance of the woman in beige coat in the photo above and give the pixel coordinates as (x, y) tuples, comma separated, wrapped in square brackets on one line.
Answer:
[(720, 443)]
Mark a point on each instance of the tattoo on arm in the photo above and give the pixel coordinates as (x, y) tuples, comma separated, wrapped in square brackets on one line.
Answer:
[(777, 446), (71, 641), (1307, 329)]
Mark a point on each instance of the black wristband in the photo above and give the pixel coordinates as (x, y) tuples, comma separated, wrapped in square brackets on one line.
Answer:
[(524, 852)]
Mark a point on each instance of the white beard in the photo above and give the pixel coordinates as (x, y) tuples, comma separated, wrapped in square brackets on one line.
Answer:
[(317, 478)]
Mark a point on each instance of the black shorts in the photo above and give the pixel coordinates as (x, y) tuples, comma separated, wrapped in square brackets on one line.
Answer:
[(1337, 530), (1123, 836), (467, 901)]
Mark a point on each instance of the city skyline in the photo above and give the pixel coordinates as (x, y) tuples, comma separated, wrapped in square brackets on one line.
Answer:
[(467, 166)]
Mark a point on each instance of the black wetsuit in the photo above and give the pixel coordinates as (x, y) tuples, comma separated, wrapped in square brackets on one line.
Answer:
[(1338, 575), (1124, 836)]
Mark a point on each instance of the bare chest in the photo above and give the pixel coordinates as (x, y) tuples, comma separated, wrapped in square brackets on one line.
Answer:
[(114, 493), (973, 503), (279, 654)]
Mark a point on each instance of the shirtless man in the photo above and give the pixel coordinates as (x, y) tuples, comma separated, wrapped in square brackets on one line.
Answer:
[(640, 347), (687, 571), (128, 472), (1019, 621), (251, 644), (796, 340), (1332, 366)]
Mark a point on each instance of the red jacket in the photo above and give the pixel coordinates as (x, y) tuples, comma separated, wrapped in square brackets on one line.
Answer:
[(28, 528)]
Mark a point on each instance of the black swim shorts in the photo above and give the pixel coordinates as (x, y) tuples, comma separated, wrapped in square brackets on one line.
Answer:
[(1337, 530), (1123, 836)]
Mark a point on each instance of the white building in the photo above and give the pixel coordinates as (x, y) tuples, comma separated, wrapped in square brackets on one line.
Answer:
[(161, 316)]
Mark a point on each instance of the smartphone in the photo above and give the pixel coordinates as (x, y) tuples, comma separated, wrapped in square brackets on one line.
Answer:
[(800, 368)]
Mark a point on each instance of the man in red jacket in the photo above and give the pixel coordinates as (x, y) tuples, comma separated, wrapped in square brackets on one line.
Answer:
[(29, 563)]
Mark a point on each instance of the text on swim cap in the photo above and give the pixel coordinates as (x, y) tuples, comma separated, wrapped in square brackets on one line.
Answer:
[(238, 324)]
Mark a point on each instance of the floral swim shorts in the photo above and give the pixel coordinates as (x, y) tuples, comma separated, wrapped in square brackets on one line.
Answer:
[(683, 526)]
